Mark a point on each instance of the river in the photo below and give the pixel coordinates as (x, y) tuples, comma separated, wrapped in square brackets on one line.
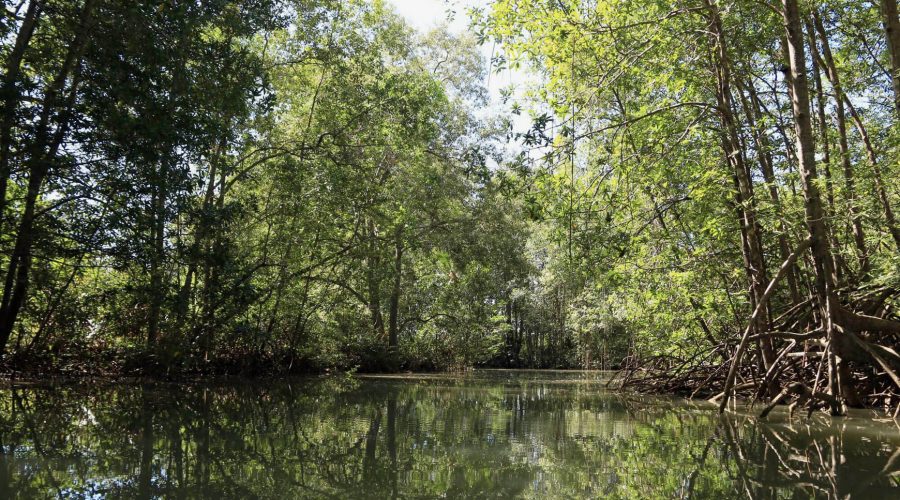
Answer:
[(484, 434)]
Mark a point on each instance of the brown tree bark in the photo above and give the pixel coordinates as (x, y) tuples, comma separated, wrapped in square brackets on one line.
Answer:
[(815, 213), (373, 282), (734, 154), (892, 33), (750, 104), (394, 307), (881, 191), (839, 263), (820, 114), (826, 59)]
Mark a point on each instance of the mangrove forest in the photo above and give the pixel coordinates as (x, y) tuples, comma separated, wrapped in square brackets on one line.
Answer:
[(702, 195), (461, 249)]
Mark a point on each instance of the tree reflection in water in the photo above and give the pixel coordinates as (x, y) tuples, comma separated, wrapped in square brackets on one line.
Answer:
[(494, 434)]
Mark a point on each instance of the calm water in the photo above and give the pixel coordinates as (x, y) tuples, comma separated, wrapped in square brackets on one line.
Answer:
[(490, 434)]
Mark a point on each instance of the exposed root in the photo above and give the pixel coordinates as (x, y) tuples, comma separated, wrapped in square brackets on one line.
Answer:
[(803, 394), (858, 364)]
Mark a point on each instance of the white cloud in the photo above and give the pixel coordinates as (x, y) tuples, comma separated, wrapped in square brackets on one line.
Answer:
[(424, 15)]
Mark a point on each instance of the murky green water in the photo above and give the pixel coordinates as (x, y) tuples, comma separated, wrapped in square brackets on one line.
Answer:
[(490, 434)]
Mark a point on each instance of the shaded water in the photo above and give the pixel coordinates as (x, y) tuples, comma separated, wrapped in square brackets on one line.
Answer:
[(489, 434)]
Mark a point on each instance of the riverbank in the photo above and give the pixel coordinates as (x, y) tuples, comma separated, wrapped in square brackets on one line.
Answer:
[(137, 362), (140, 364), (143, 366)]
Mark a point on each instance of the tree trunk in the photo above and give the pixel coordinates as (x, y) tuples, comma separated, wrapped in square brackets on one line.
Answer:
[(820, 114), (394, 311), (16, 285), (373, 282), (211, 272), (892, 33), (43, 151), (766, 162), (184, 294), (734, 156), (880, 189), (841, 117), (10, 95), (157, 257), (815, 214), (839, 264)]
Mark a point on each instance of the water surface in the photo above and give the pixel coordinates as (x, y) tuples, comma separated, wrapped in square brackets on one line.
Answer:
[(488, 434)]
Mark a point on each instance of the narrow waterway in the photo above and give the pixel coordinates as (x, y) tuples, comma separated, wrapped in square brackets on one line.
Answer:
[(487, 434)]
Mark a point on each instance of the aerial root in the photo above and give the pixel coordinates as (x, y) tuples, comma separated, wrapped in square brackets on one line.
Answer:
[(799, 373), (804, 394)]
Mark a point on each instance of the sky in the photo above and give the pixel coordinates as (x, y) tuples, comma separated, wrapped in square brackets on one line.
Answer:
[(426, 14)]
